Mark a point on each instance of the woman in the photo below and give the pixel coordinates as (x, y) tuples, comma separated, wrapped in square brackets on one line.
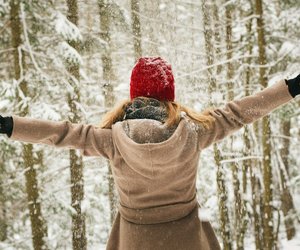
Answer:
[(154, 146)]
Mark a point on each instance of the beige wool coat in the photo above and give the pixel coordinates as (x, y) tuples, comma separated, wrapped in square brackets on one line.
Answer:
[(154, 171)]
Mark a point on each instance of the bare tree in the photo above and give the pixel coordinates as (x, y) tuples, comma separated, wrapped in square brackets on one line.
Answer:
[(38, 226), (249, 164), (222, 192), (108, 89), (151, 14), (3, 219), (76, 165), (136, 28), (287, 203), (266, 134)]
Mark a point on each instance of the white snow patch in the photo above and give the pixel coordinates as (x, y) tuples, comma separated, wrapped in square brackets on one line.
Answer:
[(67, 29), (69, 53), (238, 144), (204, 214)]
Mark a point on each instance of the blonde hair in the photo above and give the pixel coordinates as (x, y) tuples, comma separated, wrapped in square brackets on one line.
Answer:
[(174, 110)]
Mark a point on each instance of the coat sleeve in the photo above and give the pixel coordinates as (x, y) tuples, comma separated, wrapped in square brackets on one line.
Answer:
[(244, 111), (91, 140)]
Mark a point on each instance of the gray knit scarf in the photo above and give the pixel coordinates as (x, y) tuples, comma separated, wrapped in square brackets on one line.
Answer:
[(146, 108)]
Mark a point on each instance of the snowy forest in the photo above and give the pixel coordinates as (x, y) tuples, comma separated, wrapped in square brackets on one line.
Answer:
[(72, 60)]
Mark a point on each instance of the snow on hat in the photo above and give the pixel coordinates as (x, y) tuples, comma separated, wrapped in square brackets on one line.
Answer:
[(152, 77)]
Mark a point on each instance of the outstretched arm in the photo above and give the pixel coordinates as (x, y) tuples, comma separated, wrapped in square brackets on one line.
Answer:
[(247, 110), (93, 141)]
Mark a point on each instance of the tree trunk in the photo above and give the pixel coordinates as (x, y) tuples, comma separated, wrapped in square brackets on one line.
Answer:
[(256, 203), (256, 188), (287, 204), (222, 200), (230, 97), (250, 164), (229, 47), (256, 193), (79, 240), (3, 221), (152, 29), (247, 164), (38, 226), (268, 235), (136, 28), (222, 192), (285, 151), (239, 205), (108, 91), (209, 48), (217, 35)]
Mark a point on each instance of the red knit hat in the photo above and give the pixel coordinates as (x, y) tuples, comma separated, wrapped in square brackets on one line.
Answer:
[(152, 77)]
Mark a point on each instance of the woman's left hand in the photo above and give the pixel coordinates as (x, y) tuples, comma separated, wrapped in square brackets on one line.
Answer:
[(294, 85)]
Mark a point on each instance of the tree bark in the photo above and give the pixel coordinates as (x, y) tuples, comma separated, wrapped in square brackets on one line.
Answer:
[(222, 192), (108, 91), (3, 219), (239, 204), (79, 240), (217, 34), (136, 28), (229, 47), (209, 48), (268, 234), (256, 207), (256, 193), (38, 226), (152, 29), (222, 200), (287, 203), (250, 164)]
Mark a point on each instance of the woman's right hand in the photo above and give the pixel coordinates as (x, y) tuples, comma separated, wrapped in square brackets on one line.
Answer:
[(6, 125)]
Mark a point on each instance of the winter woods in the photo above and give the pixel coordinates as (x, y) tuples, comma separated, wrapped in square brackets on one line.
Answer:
[(71, 60)]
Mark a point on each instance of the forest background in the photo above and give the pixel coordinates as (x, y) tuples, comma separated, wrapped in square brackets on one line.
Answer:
[(71, 60)]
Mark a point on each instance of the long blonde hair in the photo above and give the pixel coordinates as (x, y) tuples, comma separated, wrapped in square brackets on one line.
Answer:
[(174, 110)]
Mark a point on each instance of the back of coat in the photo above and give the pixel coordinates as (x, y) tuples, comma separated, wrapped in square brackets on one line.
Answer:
[(155, 169)]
